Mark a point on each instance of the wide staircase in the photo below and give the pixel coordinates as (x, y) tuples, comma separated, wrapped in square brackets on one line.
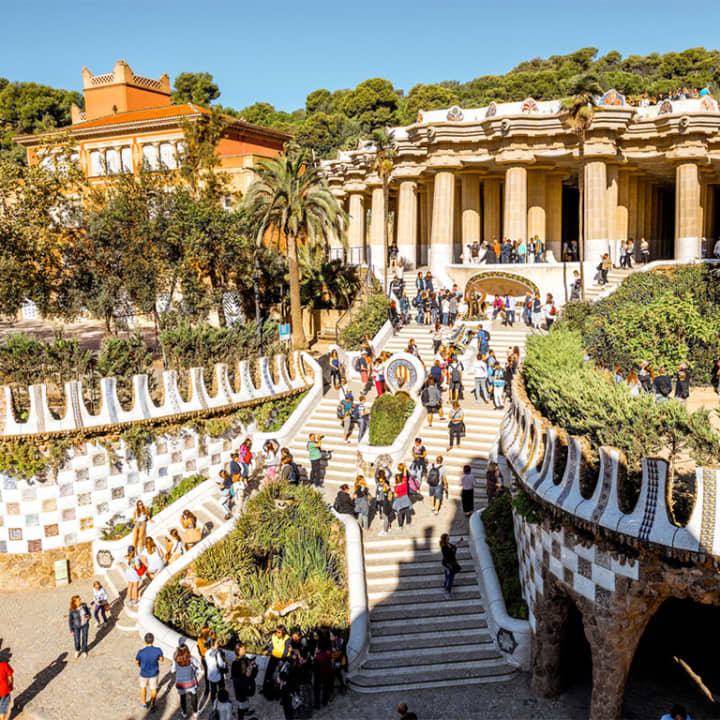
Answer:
[(615, 277)]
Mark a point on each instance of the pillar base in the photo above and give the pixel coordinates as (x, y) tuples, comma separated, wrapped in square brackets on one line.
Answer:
[(687, 248), (440, 257), (408, 254), (595, 248)]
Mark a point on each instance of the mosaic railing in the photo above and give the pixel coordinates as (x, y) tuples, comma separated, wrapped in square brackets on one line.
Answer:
[(557, 470), (76, 415)]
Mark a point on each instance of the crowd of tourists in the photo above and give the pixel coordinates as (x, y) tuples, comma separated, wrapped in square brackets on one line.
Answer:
[(681, 93), (645, 380), (506, 251), (432, 303)]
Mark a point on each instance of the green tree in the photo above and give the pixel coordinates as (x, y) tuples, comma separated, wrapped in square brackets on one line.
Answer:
[(196, 88), (319, 101), (374, 103), (383, 166), (293, 205), (322, 133), (426, 97)]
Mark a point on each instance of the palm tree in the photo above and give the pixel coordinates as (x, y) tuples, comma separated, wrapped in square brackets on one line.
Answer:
[(580, 109), (383, 166), (292, 205)]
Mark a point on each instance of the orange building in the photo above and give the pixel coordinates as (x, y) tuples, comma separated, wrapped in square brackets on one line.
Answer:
[(130, 121)]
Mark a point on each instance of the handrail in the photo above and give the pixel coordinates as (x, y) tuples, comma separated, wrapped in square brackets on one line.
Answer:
[(359, 295)]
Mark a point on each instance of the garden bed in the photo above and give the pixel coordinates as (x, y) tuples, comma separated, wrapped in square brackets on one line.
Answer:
[(287, 550), (388, 416)]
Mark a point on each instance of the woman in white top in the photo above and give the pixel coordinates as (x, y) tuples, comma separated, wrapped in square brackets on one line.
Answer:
[(271, 459), (154, 558), (141, 516), (633, 383), (175, 547), (479, 371)]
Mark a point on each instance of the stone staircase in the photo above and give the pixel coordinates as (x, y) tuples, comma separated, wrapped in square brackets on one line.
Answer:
[(417, 638), (615, 277)]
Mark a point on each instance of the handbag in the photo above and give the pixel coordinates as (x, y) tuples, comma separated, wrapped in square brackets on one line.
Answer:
[(193, 535)]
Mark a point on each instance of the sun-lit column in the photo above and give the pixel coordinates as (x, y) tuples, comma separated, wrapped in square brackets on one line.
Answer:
[(491, 209), (596, 224), (515, 212), (611, 207), (470, 209), (633, 208), (623, 207), (537, 205), (553, 215), (356, 227), (687, 211), (441, 237), (377, 236), (407, 228)]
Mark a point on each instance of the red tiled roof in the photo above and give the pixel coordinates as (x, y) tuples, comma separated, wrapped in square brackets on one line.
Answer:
[(133, 116)]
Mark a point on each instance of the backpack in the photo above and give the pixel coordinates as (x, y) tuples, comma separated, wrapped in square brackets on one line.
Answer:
[(455, 374), (341, 409), (433, 478), (425, 396), (552, 310), (245, 454), (355, 412)]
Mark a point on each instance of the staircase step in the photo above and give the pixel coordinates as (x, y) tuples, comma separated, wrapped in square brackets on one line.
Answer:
[(432, 594), (391, 585), (426, 625), (397, 661), (453, 636), (370, 684), (436, 608)]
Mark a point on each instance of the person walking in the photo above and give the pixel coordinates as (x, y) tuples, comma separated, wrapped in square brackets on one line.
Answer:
[(216, 668), (203, 645), (225, 485), (549, 311), (345, 413), (480, 376), (279, 648), (431, 398), (449, 563), (456, 425), (404, 713), (467, 491), (455, 368), (187, 672), (6, 687), (437, 337), (362, 502), (498, 385), (148, 659), (378, 377), (437, 484), (402, 504), (384, 500), (79, 623), (315, 455), (243, 672), (537, 314), (335, 377), (682, 385), (493, 481), (101, 606), (662, 385), (361, 417), (644, 251)]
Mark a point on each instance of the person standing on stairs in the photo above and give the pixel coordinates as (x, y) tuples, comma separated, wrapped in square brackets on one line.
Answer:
[(419, 459), (315, 455), (141, 517), (345, 409), (456, 425), (148, 660), (405, 308), (402, 504), (335, 376), (344, 504), (362, 502), (467, 491), (271, 460), (497, 379), (437, 484), (431, 398), (384, 500), (480, 375), (379, 377), (449, 563), (361, 416), (644, 251), (453, 308), (437, 337), (455, 368), (187, 672)]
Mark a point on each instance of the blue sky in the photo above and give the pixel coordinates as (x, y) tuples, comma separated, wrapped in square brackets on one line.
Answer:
[(280, 51)]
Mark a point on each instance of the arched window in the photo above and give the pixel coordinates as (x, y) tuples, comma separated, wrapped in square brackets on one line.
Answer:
[(167, 156), (112, 162), (126, 160), (150, 157), (97, 164)]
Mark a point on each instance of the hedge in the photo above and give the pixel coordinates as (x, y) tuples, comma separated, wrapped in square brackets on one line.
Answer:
[(388, 416), (368, 321)]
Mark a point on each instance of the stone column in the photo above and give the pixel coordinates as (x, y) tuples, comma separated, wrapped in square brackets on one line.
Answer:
[(356, 228), (491, 209), (407, 227), (429, 203), (553, 215), (640, 227), (537, 204), (623, 207), (633, 208), (687, 211), (649, 235), (515, 212), (441, 237), (377, 237), (596, 225), (470, 194), (611, 203)]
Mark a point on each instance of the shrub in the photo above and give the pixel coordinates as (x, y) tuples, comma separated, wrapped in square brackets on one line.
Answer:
[(368, 321), (497, 519), (583, 401), (388, 416), (660, 317), (286, 546), (122, 358)]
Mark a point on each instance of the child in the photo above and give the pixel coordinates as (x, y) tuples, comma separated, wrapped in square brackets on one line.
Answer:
[(100, 601)]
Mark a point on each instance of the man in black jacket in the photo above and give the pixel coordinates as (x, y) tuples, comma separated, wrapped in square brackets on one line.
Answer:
[(662, 386), (344, 504)]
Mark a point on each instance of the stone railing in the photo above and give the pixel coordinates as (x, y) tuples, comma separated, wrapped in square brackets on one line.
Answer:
[(512, 636), (557, 470), (76, 415), (99, 482)]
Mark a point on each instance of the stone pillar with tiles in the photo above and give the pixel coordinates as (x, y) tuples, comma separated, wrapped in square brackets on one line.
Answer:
[(611, 206), (537, 205), (515, 211), (377, 236), (491, 209), (553, 215), (356, 227), (443, 223), (687, 211), (407, 227), (470, 195), (596, 221)]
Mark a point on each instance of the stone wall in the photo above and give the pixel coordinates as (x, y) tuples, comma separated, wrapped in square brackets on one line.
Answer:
[(29, 571)]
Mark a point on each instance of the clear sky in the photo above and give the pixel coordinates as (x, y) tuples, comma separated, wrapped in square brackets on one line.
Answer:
[(279, 51)]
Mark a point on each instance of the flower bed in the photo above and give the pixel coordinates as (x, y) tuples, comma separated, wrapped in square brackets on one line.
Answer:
[(388, 416), (286, 550)]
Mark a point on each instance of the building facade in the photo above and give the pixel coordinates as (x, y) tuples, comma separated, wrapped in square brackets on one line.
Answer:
[(130, 121), (511, 170)]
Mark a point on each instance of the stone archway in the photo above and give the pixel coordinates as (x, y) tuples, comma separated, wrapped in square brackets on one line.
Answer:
[(497, 282)]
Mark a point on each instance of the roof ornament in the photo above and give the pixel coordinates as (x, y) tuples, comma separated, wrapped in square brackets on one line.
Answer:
[(665, 108), (419, 117), (612, 97), (455, 114), (529, 106), (491, 110)]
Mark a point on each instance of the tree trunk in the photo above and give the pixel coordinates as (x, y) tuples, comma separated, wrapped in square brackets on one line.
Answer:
[(298, 335), (386, 198), (581, 218), (256, 291)]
